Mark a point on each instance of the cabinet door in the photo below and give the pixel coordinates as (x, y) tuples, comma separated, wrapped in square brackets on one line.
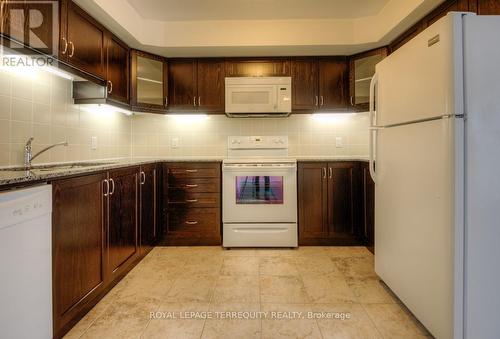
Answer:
[(333, 83), (123, 215), (368, 207), (148, 82), (342, 202), (257, 67), (148, 207), (362, 69), (77, 245), (312, 203), (85, 42), (305, 84), (182, 91), (117, 69), (210, 79)]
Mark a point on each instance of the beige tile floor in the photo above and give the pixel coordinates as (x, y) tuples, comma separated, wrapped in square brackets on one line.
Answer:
[(330, 283)]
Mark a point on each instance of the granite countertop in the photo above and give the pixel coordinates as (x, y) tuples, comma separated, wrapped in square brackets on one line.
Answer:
[(44, 173)]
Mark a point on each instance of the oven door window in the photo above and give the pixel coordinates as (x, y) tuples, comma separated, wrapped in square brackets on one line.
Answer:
[(262, 189)]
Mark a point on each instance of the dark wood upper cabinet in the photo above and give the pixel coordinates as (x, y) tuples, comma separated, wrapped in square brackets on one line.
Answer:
[(182, 91), (148, 207), (149, 83), (313, 203), (78, 246), (123, 218), (304, 72), (82, 41), (488, 7), (210, 85), (246, 67), (117, 69), (333, 84), (361, 72)]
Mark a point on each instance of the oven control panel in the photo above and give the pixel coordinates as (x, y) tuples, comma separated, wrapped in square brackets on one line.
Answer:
[(258, 142)]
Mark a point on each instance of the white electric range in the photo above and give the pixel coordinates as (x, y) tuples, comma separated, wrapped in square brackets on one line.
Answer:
[(259, 193)]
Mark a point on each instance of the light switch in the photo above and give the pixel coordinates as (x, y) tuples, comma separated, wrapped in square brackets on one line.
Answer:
[(174, 142), (339, 142), (93, 143)]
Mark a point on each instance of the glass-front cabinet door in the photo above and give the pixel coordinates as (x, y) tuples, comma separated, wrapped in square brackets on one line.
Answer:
[(362, 69), (149, 84)]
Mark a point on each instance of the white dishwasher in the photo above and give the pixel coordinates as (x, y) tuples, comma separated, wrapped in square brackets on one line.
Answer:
[(26, 263)]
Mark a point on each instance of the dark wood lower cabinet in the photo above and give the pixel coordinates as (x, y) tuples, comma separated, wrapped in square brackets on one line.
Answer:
[(329, 203), (192, 210), (122, 219), (96, 223), (78, 247), (148, 208)]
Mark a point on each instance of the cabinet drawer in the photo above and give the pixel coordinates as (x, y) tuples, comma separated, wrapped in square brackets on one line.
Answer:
[(200, 220), (208, 185), (193, 172), (181, 197)]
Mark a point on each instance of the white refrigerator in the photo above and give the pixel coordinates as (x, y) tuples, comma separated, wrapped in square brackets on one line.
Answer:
[(435, 159)]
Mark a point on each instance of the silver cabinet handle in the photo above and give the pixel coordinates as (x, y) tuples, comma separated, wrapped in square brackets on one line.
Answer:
[(191, 186), (324, 172), (112, 186), (72, 49), (110, 87), (143, 177), (166, 101), (192, 171), (191, 200), (316, 102), (352, 100), (322, 101), (330, 170), (199, 101), (191, 222), (65, 46), (194, 101), (106, 192)]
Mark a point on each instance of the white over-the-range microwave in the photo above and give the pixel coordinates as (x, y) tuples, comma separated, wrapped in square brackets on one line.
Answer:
[(258, 96)]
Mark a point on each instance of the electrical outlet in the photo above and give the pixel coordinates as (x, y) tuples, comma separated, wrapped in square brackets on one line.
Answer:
[(93, 143), (174, 142), (339, 142)]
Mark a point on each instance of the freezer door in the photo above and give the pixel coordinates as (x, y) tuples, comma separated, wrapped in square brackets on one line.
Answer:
[(482, 78), (414, 218), (423, 79)]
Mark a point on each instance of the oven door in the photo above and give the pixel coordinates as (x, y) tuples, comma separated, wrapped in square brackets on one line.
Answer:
[(255, 193)]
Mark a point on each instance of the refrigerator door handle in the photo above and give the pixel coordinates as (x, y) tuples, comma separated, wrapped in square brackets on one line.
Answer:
[(373, 130)]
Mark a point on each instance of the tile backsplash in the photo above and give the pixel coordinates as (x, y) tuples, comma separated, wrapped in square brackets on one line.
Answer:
[(41, 106), (152, 135)]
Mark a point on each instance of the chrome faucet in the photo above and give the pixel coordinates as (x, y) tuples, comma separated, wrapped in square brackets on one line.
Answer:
[(28, 153)]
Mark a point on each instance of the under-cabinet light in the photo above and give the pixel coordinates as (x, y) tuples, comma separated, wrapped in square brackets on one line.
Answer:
[(188, 118), (104, 109), (332, 117)]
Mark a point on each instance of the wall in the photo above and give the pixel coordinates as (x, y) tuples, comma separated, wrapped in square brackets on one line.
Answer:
[(39, 104), (152, 134)]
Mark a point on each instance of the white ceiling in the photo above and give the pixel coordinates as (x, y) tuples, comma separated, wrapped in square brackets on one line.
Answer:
[(189, 10)]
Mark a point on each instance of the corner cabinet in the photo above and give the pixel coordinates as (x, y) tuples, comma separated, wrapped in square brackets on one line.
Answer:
[(149, 85), (196, 85), (362, 70), (328, 203)]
